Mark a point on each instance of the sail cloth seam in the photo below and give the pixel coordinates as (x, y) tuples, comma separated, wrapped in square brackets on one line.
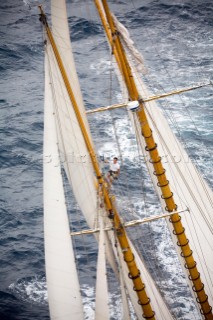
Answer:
[(117, 141), (142, 116), (152, 268), (60, 125), (166, 69), (200, 249), (199, 175), (101, 16), (55, 271), (192, 221), (142, 304), (148, 168), (209, 83), (164, 143), (123, 240), (139, 143), (60, 133)]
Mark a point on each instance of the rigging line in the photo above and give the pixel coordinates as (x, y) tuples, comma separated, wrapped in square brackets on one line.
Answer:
[(171, 81), (155, 126), (86, 178), (139, 143), (198, 173), (120, 268), (171, 117), (183, 178), (58, 129), (156, 270), (121, 237), (197, 239), (170, 114), (155, 47), (169, 237), (181, 174), (141, 180), (117, 140)]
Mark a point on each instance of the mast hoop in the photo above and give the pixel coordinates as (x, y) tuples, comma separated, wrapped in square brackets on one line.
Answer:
[(144, 304), (187, 256), (189, 268), (183, 245), (159, 174), (165, 198), (178, 233), (199, 290), (134, 277), (151, 149), (141, 289), (194, 279), (170, 220), (206, 313), (201, 302), (149, 317), (155, 161), (163, 185)]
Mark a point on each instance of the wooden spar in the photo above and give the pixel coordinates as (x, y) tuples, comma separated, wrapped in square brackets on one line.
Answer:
[(151, 147), (126, 224), (109, 201), (151, 98)]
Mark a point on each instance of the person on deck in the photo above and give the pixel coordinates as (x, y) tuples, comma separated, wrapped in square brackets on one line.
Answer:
[(114, 170)]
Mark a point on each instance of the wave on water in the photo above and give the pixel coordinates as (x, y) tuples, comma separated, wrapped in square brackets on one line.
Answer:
[(175, 39), (31, 289)]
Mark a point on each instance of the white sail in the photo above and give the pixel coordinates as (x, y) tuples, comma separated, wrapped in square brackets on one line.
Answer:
[(62, 280), (190, 191), (157, 302), (75, 158), (73, 151), (102, 298), (188, 186), (124, 299)]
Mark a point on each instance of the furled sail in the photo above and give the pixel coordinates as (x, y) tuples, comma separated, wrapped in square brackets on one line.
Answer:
[(190, 190), (62, 280)]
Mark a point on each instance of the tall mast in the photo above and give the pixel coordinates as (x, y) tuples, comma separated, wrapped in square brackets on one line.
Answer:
[(159, 171), (134, 272)]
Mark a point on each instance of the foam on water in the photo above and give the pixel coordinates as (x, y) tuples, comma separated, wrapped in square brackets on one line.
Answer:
[(175, 39), (32, 289)]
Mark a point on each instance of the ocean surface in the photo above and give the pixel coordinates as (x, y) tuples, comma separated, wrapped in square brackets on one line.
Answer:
[(176, 40)]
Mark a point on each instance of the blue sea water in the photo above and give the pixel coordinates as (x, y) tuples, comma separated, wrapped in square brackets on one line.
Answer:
[(176, 40)]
